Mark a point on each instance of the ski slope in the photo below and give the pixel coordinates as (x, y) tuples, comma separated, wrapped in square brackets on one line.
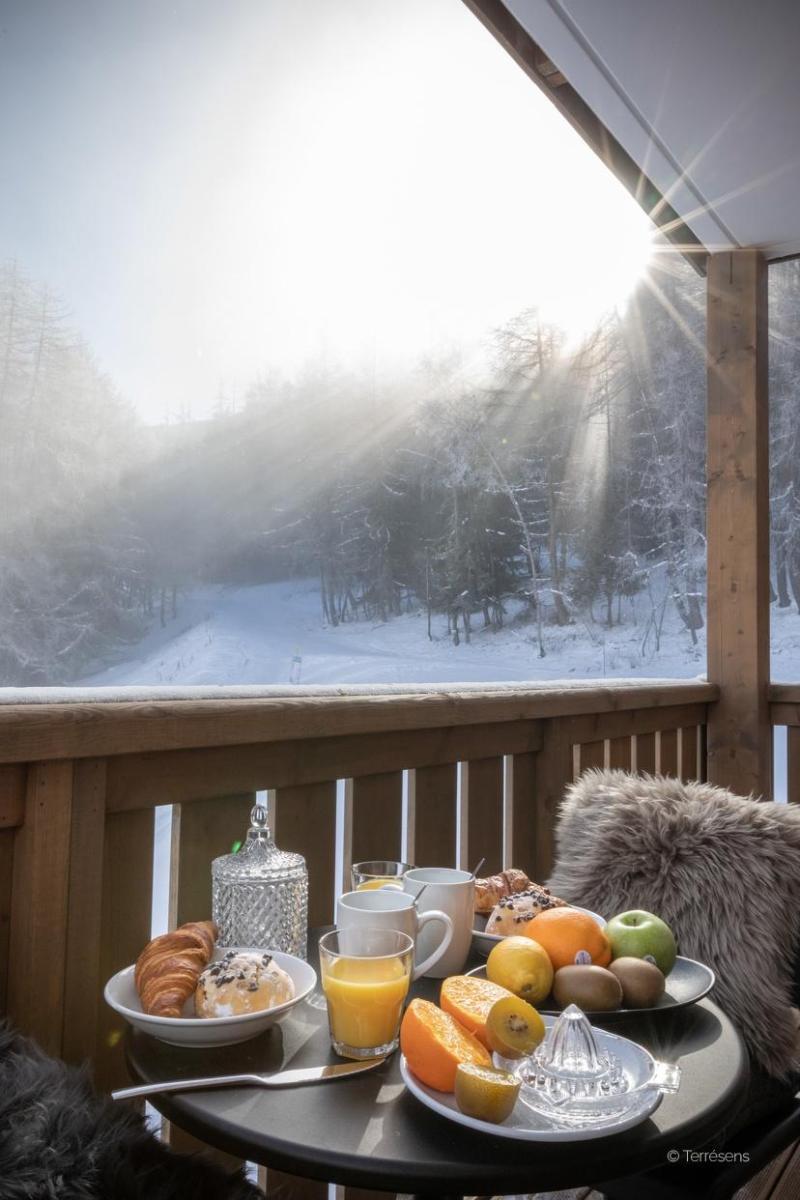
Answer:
[(250, 635)]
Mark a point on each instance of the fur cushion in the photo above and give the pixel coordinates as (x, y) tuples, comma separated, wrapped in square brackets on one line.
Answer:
[(721, 870), (58, 1138)]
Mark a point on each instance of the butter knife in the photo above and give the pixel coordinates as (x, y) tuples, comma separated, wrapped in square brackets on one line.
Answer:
[(290, 1078)]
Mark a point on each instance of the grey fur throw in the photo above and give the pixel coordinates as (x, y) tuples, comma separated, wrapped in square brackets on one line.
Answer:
[(722, 871), (60, 1140)]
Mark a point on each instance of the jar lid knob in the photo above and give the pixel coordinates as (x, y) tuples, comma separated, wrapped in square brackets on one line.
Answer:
[(259, 819)]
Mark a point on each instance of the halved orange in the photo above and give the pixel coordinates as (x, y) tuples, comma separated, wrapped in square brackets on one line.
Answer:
[(434, 1044), (470, 1000)]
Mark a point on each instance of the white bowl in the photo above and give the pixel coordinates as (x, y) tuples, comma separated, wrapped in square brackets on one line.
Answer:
[(485, 942), (189, 1030)]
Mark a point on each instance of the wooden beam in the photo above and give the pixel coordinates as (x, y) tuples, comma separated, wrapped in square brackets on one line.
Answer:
[(518, 43), (739, 733), (39, 732), (176, 776)]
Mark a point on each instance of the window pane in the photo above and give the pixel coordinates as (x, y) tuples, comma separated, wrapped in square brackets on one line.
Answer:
[(330, 353)]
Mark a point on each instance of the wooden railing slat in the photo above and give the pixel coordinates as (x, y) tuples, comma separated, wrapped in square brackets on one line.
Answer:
[(592, 754), (668, 752), (7, 837), (83, 983), (689, 748), (619, 753), (126, 915), (793, 765), (140, 780), (432, 799), (377, 816), (186, 1143), (305, 821), (645, 753), (280, 1186), (39, 905), (554, 772), (200, 833), (522, 809), (482, 809), (12, 794)]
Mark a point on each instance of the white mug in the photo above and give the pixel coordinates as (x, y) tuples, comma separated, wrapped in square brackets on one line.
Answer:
[(389, 908), (452, 892)]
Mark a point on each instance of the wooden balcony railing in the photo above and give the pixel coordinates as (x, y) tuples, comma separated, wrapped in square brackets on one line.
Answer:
[(785, 711), (430, 775)]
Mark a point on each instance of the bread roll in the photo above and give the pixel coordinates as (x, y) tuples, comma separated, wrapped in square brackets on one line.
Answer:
[(241, 982), (512, 912)]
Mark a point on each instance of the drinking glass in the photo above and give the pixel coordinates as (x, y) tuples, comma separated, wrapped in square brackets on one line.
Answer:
[(365, 977), (368, 875)]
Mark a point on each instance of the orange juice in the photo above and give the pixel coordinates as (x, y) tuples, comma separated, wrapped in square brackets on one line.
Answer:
[(365, 999), (369, 885)]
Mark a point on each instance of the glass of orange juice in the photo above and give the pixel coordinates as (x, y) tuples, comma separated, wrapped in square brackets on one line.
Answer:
[(365, 977), (368, 875)]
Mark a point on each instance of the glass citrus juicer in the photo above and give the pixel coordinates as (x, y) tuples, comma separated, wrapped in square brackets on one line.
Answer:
[(579, 1076)]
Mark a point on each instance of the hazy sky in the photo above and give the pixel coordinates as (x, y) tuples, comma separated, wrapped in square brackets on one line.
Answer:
[(218, 187)]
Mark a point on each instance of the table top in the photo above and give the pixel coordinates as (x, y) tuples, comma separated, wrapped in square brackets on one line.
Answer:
[(370, 1132)]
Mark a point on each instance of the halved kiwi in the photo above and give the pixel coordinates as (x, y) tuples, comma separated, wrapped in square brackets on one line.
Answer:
[(513, 1027)]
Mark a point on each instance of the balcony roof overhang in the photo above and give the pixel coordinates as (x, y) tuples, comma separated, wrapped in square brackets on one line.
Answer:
[(696, 107)]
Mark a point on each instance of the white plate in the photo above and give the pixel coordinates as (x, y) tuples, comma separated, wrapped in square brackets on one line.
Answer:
[(528, 1126), (189, 1030), (484, 942)]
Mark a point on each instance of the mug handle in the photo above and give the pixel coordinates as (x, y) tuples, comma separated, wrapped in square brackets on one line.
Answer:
[(434, 914)]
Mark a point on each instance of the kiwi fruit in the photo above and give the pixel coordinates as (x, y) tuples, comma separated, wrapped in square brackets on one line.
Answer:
[(642, 982), (485, 1093), (594, 989), (513, 1028)]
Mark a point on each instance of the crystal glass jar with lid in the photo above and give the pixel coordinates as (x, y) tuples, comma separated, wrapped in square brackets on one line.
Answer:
[(260, 895)]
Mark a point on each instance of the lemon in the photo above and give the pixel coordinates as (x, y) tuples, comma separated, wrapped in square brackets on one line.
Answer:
[(522, 966)]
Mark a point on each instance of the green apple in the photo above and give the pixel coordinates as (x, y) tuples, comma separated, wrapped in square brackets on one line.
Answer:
[(640, 934)]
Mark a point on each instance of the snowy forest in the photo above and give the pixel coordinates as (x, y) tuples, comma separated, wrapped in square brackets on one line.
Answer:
[(563, 486)]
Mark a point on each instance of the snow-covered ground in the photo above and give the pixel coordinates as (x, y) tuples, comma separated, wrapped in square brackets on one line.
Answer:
[(250, 635)]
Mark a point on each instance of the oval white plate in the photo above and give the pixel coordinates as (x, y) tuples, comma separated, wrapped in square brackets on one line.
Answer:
[(484, 942), (526, 1125), (189, 1030)]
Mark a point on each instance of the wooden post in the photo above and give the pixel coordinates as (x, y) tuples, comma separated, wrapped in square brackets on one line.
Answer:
[(739, 732), (40, 889)]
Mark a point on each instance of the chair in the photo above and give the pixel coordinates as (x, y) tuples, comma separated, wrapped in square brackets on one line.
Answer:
[(724, 872)]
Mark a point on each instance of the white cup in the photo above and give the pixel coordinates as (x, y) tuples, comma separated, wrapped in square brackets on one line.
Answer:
[(449, 891), (390, 908)]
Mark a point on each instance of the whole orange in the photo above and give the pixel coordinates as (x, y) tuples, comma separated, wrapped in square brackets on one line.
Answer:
[(569, 936)]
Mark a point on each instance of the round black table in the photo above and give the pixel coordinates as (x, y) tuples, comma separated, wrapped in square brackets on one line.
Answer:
[(369, 1132)]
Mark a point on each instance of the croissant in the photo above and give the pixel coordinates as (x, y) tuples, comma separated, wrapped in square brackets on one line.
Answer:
[(507, 883), (168, 968)]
